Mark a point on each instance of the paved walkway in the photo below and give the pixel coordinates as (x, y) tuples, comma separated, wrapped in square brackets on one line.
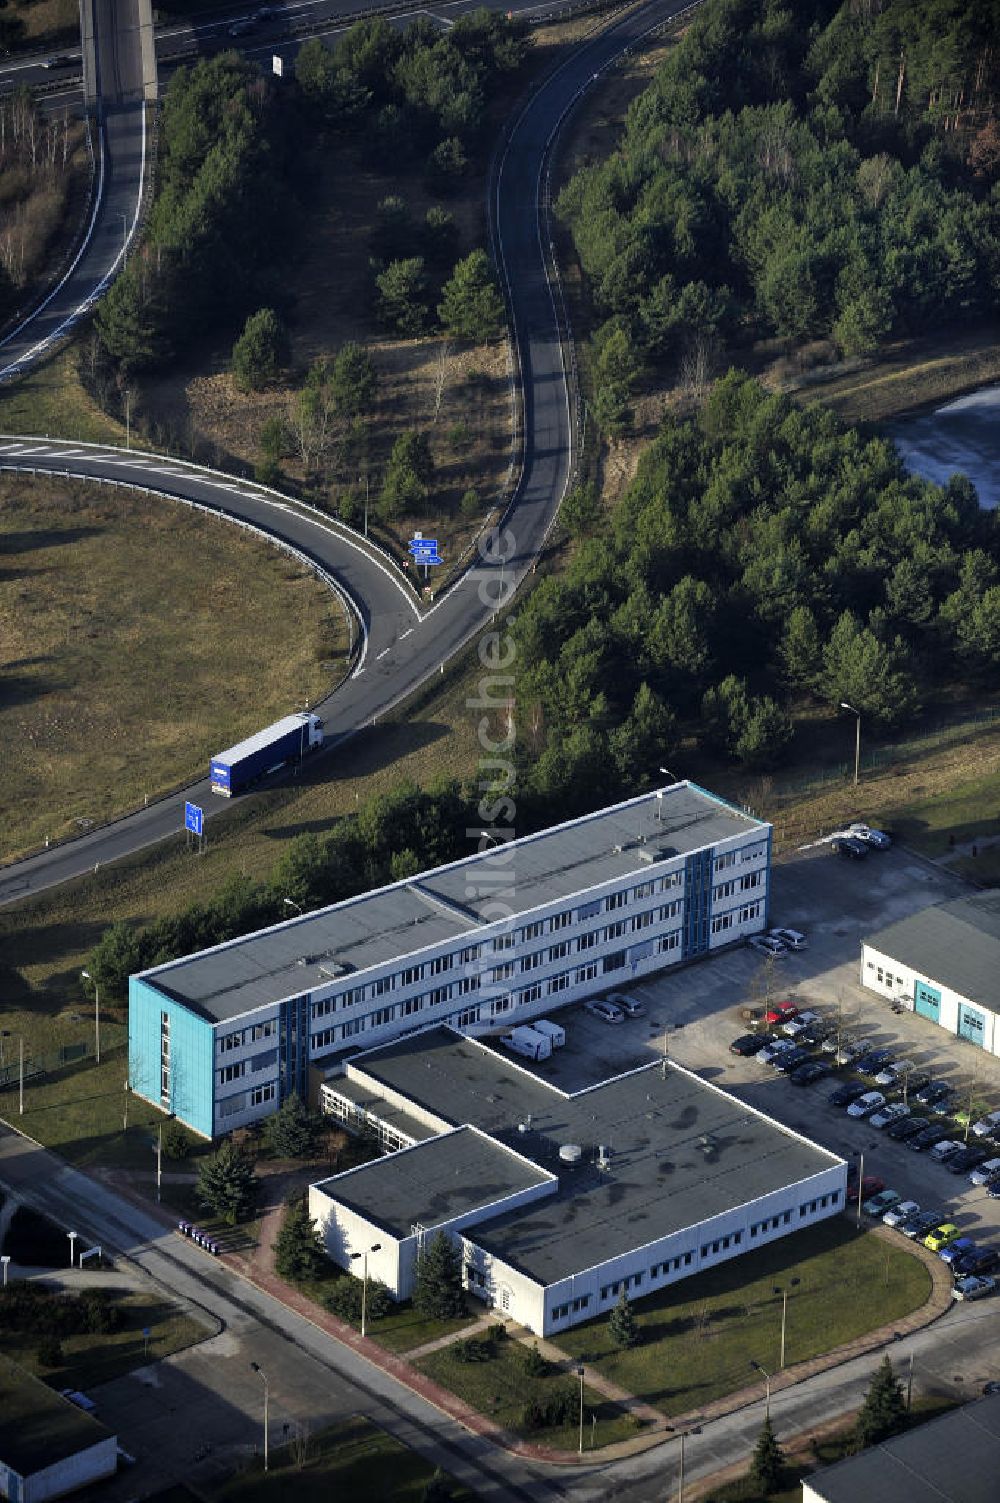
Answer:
[(477, 1328)]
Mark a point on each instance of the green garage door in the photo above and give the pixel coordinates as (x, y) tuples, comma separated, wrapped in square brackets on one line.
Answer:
[(927, 1000), (971, 1024)]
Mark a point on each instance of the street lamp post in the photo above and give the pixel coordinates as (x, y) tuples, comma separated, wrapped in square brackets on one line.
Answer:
[(5, 1260), (784, 1317), (255, 1368), (680, 1480), (767, 1388), (579, 1373), (375, 1247), (857, 738), (291, 903), (72, 1247), (671, 775), (97, 1016)]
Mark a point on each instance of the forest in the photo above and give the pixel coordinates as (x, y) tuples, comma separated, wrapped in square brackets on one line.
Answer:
[(819, 170)]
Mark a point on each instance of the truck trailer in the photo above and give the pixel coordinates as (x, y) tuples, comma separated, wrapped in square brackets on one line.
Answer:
[(288, 740)]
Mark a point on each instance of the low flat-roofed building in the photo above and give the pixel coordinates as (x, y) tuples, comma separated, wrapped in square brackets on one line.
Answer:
[(952, 1459), (48, 1446), (944, 964), (634, 1183), (222, 1037)]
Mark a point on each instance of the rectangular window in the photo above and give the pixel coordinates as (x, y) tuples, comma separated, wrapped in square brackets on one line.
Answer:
[(263, 1030), (588, 910), (557, 952), (354, 1026), (232, 1072), (644, 890), (533, 961), (503, 972), (560, 920), (534, 929), (382, 1015), (466, 985), (230, 1041), (586, 972), (467, 1016), (412, 1005), (441, 964), (752, 879), (412, 974), (356, 994), (614, 962), (439, 994), (615, 930), (643, 920), (503, 941), (559, 983), (615, 900), (323, 1009), (262, 1093), (722, 863), (266, 1061), (502, 1004), (724, 890), (722, 922), (468, 955), (531, 993), (751, 911), (588, 941), (669, 910), (233, 1104), (324, 1039), (382, 986), (668, 942)]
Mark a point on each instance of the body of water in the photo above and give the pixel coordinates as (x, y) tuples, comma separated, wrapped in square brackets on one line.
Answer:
[(962, 437)]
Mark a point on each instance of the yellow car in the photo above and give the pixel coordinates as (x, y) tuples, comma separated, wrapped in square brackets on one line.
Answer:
[(941, 1236)]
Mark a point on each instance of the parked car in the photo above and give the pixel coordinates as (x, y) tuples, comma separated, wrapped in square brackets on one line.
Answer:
[(846, 1093), (987, 1125), (606, 1011), (917, 1227), (945, 1150), (765, 945), (893, 1072), (866, 1104), (243, 28), (992, 1187), (941, 1236), (990, 1388), (906, 1128), (985, 1171), (981, 1260), (973, 1287), (873, 1061), (750, 1043), (630, 1006), (900, 1212), (810, 1072), (957, 1249), (790, 938), (791, 1059), (849, 846), (837, 1039), (800, 1023), (929, 1138), (877, 839), (869, 1186), (771, 1050), (877, 1205), (781, 1012), (969, 1158), (895, 1111), (944, 1106), (850, 1051), (933, 1091), (912, 1084)]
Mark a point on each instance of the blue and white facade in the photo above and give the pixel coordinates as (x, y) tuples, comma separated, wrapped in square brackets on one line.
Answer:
[(221, 1038)]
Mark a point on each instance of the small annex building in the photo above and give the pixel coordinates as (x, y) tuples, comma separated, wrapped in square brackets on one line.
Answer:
[(944, 964), (951, 1459), (559, 1200), (48, 1446), (222, 1037)]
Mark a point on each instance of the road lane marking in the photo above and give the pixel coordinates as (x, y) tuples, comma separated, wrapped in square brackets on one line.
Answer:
[(382, 654)]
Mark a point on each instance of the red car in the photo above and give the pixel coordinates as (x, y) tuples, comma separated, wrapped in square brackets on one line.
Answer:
[(781, 1012), (870, 1185)]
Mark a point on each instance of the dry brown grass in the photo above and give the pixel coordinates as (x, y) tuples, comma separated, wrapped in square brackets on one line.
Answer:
[(46, 20), (138, 638)]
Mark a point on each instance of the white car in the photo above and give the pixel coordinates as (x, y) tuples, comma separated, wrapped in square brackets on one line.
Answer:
[(800, 1023), (877, 838), (889, 1114), (894, 1072), (764, 944), (900, 1213), (869, 1102), (630, 1006), (987, 1126), (606, 1011), (790, 938), (973, 1287), (984, 1172), (772, 1051)]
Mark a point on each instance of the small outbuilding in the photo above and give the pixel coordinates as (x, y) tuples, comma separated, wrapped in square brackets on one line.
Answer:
[(48, 1446), (943, 963)]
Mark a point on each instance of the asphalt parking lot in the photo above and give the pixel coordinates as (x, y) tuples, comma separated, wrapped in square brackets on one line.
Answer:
[(695, 1013)]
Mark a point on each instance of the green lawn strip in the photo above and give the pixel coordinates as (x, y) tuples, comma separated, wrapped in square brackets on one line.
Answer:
[(500, 1388), (955, 814), (50, 400), (698, 1340), (98, 1357), (404, 1328), (352, 1459)]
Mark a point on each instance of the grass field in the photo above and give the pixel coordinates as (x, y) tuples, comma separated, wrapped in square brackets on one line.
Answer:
[(698, 1340), (500, 1388), (139, 637), (46, 21), (97, 1358), (353, 1459), (50, 399)]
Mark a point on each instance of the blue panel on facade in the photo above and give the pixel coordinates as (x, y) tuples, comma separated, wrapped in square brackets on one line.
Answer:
[(927, 1001), (171, 1056), (971, 1024)]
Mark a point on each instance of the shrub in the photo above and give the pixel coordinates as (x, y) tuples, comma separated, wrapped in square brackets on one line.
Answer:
[(175, 1141), (473, 1349), (534, 1363), (50, 1352)]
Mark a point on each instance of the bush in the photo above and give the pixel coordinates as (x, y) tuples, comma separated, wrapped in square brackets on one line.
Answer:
[(344, 1300), (30, 1309), (497, 1332), (176, 1143), (473, 1349), (534, 1363), (50, 1352)]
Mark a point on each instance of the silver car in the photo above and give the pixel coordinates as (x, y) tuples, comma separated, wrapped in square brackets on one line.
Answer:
[(606, 1011), (630, 1006), (792, 939)]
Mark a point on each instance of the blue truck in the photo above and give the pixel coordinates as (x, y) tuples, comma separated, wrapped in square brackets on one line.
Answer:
[(288, 740)]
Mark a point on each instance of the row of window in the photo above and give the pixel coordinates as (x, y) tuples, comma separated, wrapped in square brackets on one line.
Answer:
[(230, 1041), (886, 978), (560, 1312), (265, 1061), (746, 883), (744, 915), (258, 1096), (736, 858)]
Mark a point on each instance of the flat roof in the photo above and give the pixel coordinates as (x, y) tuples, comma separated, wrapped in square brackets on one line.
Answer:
[(951, 1459), (455, 1173), (680, 1150), (448, 902), (362, 1095), (956, 944), (38, 1427)]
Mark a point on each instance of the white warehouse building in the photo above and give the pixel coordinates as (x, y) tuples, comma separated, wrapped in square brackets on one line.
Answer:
[(222, 1037), (943, 963), (559, 1200)]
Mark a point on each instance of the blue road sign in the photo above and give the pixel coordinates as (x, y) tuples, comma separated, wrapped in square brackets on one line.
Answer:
[(425, 550), (194, 818)]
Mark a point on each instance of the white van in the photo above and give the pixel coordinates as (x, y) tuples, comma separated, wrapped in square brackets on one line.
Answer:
[(555, 1031), (529, 1042)]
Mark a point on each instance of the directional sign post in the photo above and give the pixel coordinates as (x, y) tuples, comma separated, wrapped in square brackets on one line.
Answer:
[(194, 824), (425, 551)]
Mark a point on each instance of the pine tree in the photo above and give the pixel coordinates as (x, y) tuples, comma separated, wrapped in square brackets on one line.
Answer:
[(298, 1247), (768, 1462), (883, 1412), (438, 1291), (622, 1326), (227, 1184), (471, 307), (293, 1132)]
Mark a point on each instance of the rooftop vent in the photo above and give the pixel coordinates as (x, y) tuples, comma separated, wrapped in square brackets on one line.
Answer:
[(603, 1156), (570, 1153), (707, 1144)]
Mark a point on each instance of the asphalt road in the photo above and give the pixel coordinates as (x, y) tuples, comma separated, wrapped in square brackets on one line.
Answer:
[(119, 140), (404, 645)]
